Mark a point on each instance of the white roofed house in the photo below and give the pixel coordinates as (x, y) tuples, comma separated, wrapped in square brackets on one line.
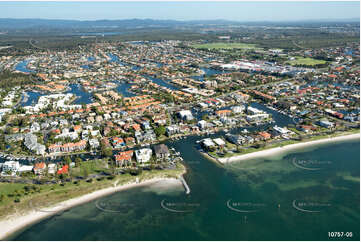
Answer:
[(220, 142), (143, 155), (186, 115), (25, 168), (202, 124), (208, 143), (94, 143), (10, 168), (31, 142), (52, 168), (35, 127), (252, 110)]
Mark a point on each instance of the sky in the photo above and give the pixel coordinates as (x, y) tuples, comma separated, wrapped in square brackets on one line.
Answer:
[(239, 11)]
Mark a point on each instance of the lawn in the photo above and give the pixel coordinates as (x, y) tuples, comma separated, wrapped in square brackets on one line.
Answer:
[(224, 46), (305, 61)]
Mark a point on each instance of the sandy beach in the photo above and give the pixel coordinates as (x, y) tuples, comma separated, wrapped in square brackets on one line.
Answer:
[(17, 222), (278, 150)]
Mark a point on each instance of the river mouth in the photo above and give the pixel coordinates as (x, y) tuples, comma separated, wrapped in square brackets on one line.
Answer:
[(227, 202)]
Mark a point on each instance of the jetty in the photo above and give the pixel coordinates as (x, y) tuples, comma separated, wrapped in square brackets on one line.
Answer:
[(186, 187)]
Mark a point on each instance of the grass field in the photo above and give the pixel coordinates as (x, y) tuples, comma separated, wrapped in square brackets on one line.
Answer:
[(224, 46), (305, 61)]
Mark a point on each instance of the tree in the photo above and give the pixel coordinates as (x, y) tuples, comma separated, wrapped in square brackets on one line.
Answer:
[(67, 160), (159, 131), (107, 152), (239, 149), (77, 161)]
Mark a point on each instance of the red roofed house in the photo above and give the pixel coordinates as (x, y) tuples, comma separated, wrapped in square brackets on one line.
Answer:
[(124, 158), (39, 168), (265, 135)]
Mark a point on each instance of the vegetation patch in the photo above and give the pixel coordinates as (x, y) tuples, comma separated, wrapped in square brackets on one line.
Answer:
[(305, 61), (224, 46)]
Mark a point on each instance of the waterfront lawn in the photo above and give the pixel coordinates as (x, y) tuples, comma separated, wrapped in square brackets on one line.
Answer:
[(50, 194), (86, 168), (224, 46), (305, 61)]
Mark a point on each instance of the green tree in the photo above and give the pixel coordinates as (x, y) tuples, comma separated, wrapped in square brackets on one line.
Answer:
[(159, 131), (67, 160), (107, 152), (77, 161)]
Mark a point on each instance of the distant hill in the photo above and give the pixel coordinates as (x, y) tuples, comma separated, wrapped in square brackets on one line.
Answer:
[(13, 24)]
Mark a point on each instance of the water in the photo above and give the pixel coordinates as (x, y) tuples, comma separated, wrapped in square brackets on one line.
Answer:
[(248, 200), (22, 66), (115, 58), (83, 97), (122, 88), (163, 83), (32, 98)]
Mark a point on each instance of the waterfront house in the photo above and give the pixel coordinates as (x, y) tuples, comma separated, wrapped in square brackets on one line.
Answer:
[(326, 124), (264, 135), (257, 117), (186, 115), (143, 155), (31, 142), (161, 151), (25, 168), (223, 113), (52, 168), (124, 158), (202, 124), (236, 139), (39, 168), (10, 168), (208, 143), (171, 130), (219, 142)]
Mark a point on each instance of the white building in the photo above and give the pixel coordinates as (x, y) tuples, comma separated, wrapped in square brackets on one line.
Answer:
[(257, 117), (219, 141), (238, 109), (25, 168), (253, 111), (10, 167), (143, 155), (52, 168), (186, 115)]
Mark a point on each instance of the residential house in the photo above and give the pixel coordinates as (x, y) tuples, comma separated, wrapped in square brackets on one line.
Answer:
[(39, 168), (143, 155), (124, 158), (219, 142), (94, 143), (161, 151), (10, 168)]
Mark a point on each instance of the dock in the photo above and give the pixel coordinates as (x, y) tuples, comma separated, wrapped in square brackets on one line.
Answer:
[(186, 187)]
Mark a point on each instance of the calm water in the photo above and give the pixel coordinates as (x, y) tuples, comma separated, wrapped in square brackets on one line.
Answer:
[(22, 66), (298, 196)]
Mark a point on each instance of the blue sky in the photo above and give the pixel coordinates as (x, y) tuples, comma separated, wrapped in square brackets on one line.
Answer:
[(240, 11)]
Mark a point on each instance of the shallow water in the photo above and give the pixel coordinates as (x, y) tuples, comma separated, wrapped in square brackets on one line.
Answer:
[(261, 199)]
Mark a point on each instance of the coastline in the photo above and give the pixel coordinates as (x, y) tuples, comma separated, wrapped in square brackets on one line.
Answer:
[(278, 150), (16, 222)]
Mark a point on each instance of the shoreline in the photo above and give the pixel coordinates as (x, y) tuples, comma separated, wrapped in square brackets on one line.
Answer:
[(17, 222), (278, 150)]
